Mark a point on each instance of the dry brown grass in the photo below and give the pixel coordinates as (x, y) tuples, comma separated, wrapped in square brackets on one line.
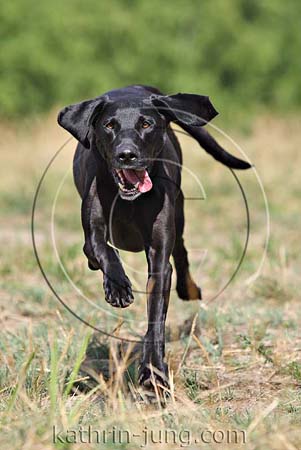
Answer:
[(238, 369)]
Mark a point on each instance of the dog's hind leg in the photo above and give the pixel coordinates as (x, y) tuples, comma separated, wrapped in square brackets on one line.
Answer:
[(186, 287)]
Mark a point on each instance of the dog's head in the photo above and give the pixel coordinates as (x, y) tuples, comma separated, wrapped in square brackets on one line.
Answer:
[(129, 130)]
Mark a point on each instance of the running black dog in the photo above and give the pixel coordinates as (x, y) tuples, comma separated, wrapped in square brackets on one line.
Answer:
[(128, 157)]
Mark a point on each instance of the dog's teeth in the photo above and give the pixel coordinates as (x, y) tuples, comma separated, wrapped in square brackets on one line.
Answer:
[(137, 184), (120, 175), (127, 191)]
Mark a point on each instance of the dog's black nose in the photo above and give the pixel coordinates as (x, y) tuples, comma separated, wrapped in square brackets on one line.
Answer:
[(127, 156)]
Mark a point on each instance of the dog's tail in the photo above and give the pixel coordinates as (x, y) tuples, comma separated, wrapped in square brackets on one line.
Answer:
[(213, 148)]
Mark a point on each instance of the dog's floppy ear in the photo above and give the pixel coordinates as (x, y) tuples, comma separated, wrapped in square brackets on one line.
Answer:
[(191, 112), (191, 109), (77, 119)]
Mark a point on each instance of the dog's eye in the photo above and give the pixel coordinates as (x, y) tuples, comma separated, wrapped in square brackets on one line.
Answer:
[(146, 124), (109, 125)]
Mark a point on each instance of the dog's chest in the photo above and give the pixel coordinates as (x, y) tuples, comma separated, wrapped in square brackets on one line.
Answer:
[(123, 230)]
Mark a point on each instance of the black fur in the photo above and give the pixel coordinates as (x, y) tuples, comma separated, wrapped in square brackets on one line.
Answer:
[(154, 221)]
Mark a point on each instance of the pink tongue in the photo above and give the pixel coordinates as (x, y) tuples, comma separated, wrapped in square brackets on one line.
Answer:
[(133, 176)]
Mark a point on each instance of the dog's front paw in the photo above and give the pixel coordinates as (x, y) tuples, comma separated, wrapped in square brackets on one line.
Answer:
[(118, 291), (150, 375)]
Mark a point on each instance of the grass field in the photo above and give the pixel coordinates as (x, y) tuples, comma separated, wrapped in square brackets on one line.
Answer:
[(235, 361)]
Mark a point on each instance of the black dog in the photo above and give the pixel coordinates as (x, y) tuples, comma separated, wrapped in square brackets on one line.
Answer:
[(129, 158)]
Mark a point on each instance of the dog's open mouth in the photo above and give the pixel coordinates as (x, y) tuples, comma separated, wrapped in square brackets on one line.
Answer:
[(133, 182)]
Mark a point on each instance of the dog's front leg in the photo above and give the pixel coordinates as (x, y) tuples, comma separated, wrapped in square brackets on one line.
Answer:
[(158, 291), (117, 286)]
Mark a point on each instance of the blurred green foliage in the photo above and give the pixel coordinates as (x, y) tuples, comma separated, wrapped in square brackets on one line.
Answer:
[(243, 53)]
